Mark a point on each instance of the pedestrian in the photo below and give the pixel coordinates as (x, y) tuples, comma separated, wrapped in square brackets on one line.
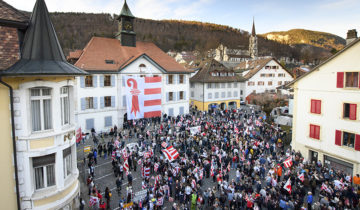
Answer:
[(108, 197)]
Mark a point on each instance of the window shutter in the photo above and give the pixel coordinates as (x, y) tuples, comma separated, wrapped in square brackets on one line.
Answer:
[(94, 81), (181, 110), (184, 95), (174, 95), (112, 101), (312, 106), (317, 132), (340, 80), (338, 137), (101, 80), (167, 97), (124, 100), (312, 131), (167, 79), (357, 142), (82, 81), (101, 102), (352, 113), (83, 104), (176, 79), (186, 77), (112, 80), (318, 107), (95, 102), (123, 81)]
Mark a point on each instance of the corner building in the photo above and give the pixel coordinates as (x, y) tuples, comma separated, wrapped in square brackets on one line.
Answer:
[(41, 85)]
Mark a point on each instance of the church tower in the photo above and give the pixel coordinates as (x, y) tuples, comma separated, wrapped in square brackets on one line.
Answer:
[(253, 43), (126, 33)]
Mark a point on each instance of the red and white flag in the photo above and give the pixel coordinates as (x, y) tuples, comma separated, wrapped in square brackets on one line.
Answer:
[(78, 135), (146, 172), (193, 184), (160, 201), (126, 166), (301, 177), (170, 153), (164, 144), (143, 186), (287, 186), (236, 130), (156, 167), (143, 97), (288, 162)]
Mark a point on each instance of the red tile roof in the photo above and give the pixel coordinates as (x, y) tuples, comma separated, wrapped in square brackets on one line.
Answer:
[(100, 49), (8, 12), (75, 54)]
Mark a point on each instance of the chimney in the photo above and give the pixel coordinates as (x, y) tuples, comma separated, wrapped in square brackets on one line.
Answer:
[(351, 36)]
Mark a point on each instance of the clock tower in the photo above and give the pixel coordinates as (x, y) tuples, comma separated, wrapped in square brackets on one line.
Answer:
[(126, 33)]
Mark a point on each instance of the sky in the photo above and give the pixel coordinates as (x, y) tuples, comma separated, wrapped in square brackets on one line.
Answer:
[(332, 16)]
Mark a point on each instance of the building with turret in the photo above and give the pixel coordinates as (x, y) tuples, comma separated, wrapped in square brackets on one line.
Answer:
[(38, 154)]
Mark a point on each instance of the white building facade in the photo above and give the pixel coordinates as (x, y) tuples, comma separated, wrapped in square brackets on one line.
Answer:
[(326, 112)]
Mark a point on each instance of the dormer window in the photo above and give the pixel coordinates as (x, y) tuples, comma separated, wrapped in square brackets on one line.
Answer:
[(109, 61)]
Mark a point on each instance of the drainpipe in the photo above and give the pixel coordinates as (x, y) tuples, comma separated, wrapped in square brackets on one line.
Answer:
[(14, 142)]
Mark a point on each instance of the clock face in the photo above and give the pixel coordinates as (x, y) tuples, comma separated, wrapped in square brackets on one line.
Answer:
[(128, 26)]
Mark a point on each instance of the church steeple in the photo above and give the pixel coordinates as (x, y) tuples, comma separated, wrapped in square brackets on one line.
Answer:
[(253, 44), (126, 33)]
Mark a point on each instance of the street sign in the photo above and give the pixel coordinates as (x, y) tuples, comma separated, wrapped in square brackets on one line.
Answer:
[(140, 195), (87, 149)]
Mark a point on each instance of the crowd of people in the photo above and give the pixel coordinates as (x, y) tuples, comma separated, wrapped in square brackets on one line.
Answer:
[(207, 147)]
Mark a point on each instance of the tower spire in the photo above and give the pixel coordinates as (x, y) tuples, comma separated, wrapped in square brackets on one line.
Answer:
[(253, 33)]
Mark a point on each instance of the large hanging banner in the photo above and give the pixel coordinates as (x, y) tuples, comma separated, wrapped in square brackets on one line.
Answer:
[(143, 97)]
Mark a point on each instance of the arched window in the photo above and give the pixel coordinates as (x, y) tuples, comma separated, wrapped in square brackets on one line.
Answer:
[(142, 67)]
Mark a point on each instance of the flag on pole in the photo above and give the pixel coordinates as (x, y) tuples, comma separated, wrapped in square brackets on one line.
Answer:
[(78, 135), (301, 177), (288, 162), (170, 153), (143, 97), (287, 186)]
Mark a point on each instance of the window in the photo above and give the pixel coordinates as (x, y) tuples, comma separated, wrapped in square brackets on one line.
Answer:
[(235, 84), (192, 94), (352, 79), (251, 83), (208, 85), (235, 93), (349, 111), (170, 79), (171, 112), (281, 75), (88, 81), (171, 96), (223, 94), (67, 162), (241, 92), (229, 85), (260, 83), (222, 85), (107, 80), (348, 139), (273, 67), (142, 67), (267, 67), (192, 85), (44, 171), (262, 75), (107, 101), (216, 95), (314, 131), (270, 83), (280, 83), (65, 105), (108, 121), (41, 116), (181, 95), (89, 123), (181, 79), (229, 94), (286, 82), (217, 85), (315, 106), (89, 102), (109, 61)]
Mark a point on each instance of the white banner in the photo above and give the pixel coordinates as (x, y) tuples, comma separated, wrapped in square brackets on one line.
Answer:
[(195, 130), (143, 97)]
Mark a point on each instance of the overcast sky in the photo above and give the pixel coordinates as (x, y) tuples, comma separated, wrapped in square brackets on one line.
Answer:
[(333, 16)]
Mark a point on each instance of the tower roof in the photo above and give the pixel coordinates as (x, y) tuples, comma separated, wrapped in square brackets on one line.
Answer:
[(253, 33), (125, 11), (41, 53)]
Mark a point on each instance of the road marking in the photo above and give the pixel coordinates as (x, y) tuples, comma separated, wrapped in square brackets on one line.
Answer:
[(103, 176), (116, 187), (102, 164)]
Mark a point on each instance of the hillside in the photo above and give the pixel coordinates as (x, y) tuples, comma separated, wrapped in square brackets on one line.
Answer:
[(301, 36), (75, 30)]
